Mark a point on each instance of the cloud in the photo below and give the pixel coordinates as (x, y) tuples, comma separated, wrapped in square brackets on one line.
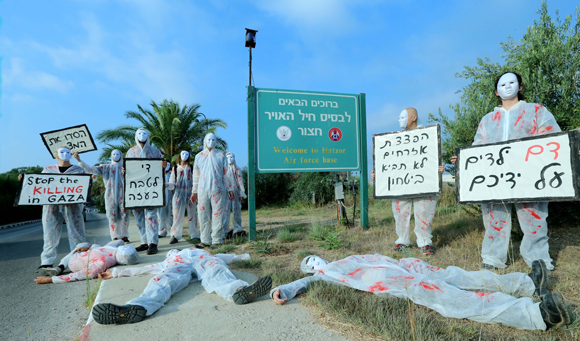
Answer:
[(16, 74)]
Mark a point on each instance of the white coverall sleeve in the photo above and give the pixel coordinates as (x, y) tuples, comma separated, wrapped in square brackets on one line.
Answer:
[(241, 183), (228, 258), (91, 169), (73, 277), (196, 174), (548, 123), (290, 290), (129, 272), (478, 134), (171, 183)]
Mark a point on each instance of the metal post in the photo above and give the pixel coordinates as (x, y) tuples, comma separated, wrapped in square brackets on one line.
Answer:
[(251, 163), (364, 183), (250, 76)]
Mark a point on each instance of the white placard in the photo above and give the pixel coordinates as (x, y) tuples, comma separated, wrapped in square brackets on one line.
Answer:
[(144, 183), (406, 163), (54, 189), (77, 138), (524, 170)]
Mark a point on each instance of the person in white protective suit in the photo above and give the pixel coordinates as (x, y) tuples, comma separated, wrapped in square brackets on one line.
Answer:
[(210, 185), (514, 119), (235, 206), (88, 261), (181, 181), (481, 296), (165, 214), (146, 219), (174, 274), (424, 207), (113, 179), (54, 215)]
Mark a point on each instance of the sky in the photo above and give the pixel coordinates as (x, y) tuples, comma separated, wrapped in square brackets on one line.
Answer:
[(72, 62)]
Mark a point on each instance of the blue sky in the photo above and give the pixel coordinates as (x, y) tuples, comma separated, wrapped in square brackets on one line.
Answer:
[(67, 63)]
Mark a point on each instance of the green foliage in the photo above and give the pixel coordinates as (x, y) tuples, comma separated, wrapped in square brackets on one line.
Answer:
[(328, 237), (272, 189), (262, 244), (247, 264), (287, 235), (301, 254), (548, 59), (172, 128), (9, 186), (224, 249), (307, 183)]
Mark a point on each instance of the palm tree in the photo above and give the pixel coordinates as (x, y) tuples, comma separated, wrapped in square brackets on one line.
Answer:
[(172, 128)]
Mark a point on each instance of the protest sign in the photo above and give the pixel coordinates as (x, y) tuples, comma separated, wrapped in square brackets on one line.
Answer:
[(406, 163), (77, 139), (53, 189), (542, 168), (144, 183)]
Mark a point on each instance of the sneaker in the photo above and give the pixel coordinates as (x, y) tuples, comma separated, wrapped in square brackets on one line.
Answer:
[(51, 271), (173, 240), (539, 275), (399, 248), (126, 240), (554, 311), (485, 266), (40, 268), (195, 240), (142, 247), (427, 250), (108, 313), (152, 249), (250, 293)]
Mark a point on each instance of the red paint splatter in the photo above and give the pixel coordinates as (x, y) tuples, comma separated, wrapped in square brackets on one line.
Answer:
[(497, 116), (352, 273), (482, 294), (377, 287), (533, 214), (519, 118)]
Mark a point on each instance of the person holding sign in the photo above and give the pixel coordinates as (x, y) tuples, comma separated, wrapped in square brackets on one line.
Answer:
[(514, 119), (54, 215), (113, 179), (164, 214), (210, 184), (481, 296), (424, 206), (88, 261), (181, 180), (146, 218), (235, 206), (174, 274)]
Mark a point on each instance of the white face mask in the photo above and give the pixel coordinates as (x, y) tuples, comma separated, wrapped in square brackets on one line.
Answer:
[(403, 119), (184, 155), (210, 141), (64, 154), (142, 136), (231, 159), (168, 167), (116, 156), (508, 86), (315, 263)]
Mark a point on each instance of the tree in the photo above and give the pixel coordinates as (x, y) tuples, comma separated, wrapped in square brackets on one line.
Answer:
[(9, 187), (172, 128), (548, 59)]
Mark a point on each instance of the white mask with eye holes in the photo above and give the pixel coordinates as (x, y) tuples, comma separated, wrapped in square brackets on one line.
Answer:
[(210, 141), (403, 119), (315, 263), (184, 155), (115, 156), (231, 158), (64, 154), (142, 136), (508, 86)]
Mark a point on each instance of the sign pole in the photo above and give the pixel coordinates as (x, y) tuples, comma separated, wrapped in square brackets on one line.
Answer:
[(251, 163), (364, 183)]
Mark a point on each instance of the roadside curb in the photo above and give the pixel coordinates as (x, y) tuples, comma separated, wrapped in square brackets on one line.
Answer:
[(19, 224)]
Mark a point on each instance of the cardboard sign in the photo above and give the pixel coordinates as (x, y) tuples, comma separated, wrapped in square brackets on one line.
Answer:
[(542, 168), (144, 183), (406, 163), (54, 189), (77, 138)]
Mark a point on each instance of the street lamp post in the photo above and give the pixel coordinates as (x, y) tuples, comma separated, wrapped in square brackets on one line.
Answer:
[(251, 43)]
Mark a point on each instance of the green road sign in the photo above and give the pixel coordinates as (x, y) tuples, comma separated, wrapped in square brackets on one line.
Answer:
[(300, 131)]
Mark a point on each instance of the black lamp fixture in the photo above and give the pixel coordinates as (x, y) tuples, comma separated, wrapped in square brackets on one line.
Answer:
[(251, 38)]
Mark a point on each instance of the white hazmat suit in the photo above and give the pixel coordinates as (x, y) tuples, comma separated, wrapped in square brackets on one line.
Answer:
[(53, 217), (212, 187), (115, 209), (146, 219), (522, 120), (165, 214), (181, 180), (234, 207), (443, 290)]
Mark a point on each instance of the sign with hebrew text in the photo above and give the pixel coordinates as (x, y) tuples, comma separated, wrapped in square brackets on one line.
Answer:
[(77, 138), (542, 168), (144, 183), (406, 163), (53, 189)]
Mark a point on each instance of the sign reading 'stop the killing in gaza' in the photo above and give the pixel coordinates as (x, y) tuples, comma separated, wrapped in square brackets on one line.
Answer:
[(542, 168), (406, 163), (300, 131), (77, 138), (53, 189)]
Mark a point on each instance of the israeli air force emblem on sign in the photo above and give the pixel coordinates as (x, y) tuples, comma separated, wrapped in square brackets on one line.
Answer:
[(335, 134), (284, 133)]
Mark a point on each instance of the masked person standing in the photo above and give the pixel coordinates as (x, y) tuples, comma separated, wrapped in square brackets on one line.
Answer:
[(181, 180), (210, 185), (113, 179), (54, 215), (424, 206), (235, 206), (146, 218), (165, 214), (514, 119)]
